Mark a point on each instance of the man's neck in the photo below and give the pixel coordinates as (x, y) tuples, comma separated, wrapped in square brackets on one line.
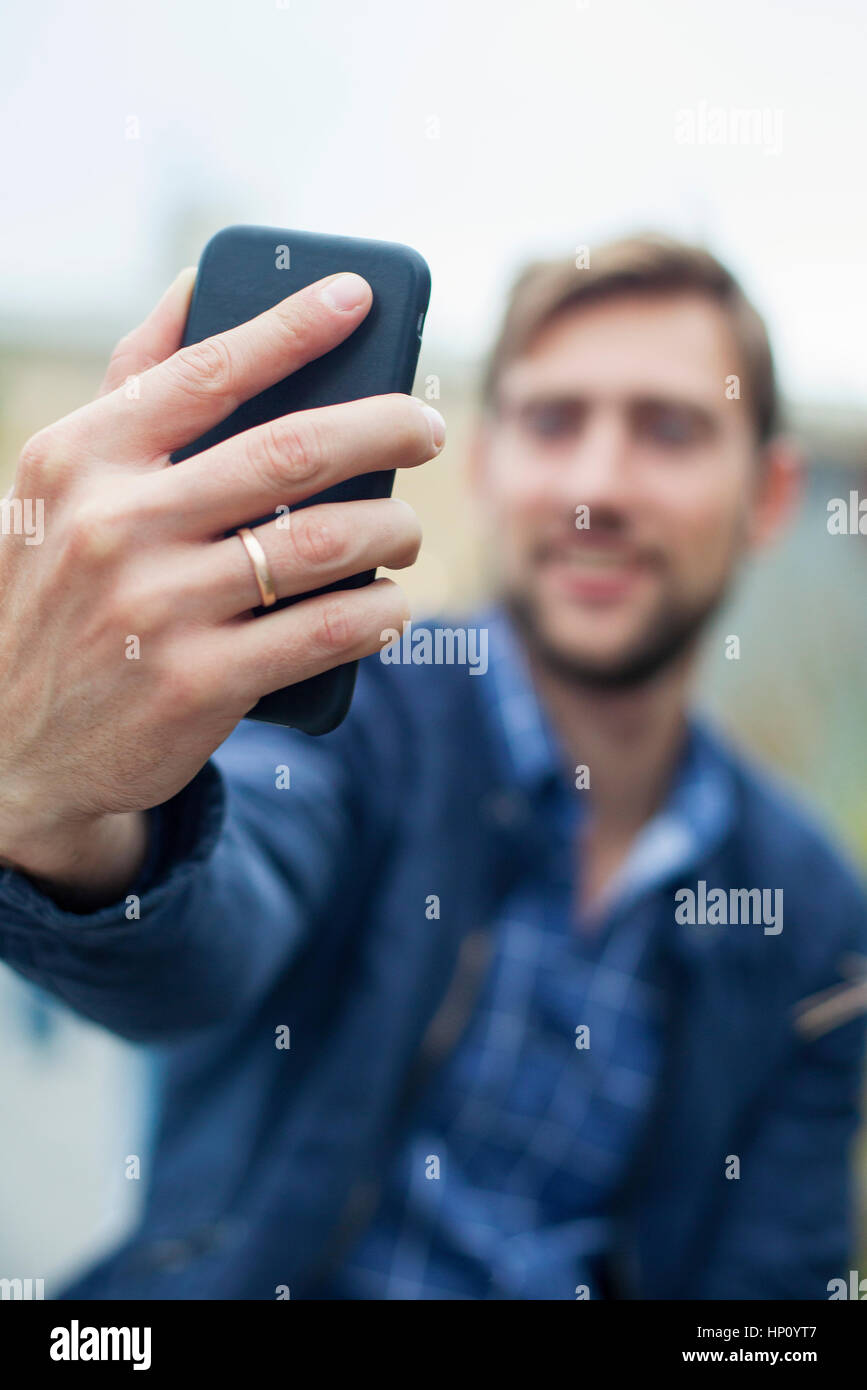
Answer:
[(630, 742)]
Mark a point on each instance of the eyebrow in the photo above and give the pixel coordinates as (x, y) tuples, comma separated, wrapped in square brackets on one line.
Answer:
[(701, 411)]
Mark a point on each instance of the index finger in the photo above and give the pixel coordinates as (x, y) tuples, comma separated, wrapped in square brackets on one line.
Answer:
[(200, 385)]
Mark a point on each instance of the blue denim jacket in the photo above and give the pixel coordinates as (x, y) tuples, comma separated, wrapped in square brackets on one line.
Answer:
[(302, 908), (503, 1183)]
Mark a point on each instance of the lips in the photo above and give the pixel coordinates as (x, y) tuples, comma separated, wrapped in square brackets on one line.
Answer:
[(593, 574)]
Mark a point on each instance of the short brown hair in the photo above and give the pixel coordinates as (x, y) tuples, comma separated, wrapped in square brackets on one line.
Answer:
[(649, 264)]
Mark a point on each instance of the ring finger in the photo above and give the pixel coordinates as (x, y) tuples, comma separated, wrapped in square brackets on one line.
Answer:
[(312, 547)]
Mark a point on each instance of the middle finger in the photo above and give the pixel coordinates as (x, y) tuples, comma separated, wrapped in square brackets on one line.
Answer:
[(278, 464)]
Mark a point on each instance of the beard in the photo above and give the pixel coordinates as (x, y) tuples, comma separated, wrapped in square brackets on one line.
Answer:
[(671, 635)]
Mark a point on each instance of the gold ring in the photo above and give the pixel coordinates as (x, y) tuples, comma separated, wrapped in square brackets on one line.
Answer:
[(261, 570)]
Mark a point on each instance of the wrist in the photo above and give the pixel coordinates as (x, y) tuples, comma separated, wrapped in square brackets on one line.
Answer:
[(86, 860)]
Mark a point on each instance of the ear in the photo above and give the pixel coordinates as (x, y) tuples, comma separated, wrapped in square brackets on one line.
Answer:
[(780, 471)]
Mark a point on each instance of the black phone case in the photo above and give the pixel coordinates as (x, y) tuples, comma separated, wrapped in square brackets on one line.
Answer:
[(242, 272)]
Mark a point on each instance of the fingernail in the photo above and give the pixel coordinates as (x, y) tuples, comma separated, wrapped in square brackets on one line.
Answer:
[(184, 279), (436, 422), (346, 292)]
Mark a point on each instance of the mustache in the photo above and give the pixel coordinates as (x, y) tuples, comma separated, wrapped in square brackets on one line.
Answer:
[(619, 542)]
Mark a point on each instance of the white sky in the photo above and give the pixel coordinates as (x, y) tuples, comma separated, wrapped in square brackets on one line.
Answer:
[(557, 125)]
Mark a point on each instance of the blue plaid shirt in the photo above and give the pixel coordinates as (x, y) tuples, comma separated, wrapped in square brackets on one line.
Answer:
[(502, 1185)]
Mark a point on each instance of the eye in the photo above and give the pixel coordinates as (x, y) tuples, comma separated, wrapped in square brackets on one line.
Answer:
[(551, 420), (672, 426)]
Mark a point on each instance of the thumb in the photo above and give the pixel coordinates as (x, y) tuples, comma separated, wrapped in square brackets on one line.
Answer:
[(156, 338)]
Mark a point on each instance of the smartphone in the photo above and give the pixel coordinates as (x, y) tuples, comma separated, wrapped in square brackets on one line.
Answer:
[(242, 272)]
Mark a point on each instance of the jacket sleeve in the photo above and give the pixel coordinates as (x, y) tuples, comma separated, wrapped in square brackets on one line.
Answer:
[(247, 855), (789, 1222)]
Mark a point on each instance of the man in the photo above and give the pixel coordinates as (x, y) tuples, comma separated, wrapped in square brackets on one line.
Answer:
[(494, 992)]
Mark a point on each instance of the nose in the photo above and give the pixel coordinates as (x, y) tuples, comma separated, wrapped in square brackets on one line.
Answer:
[(598, 472)]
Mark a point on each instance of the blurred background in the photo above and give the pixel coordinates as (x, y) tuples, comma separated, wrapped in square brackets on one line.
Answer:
[(482, 135)]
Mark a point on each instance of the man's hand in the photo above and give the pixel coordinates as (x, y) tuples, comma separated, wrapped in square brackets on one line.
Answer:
[(128, 651)]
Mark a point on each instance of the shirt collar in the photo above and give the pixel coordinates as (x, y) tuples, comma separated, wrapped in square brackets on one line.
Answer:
[(535, 757), (696, 814)]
